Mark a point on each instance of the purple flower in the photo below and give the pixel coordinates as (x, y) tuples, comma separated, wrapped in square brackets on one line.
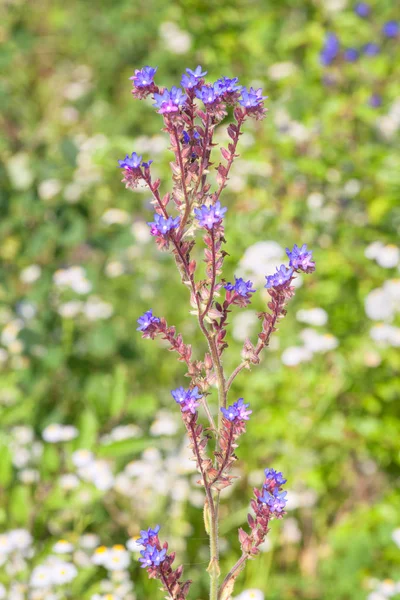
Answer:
[(362, 9), (187, 399), (238, 411), (147, 537), (371, 49), (274, 476), (229, 86), (144, 77), (208, 216), (162, 226), (351, 54), (169, 101), (330, 49), (131, 163), (279, 279), (241, 287), (251, 98), (209, 94), (301, 259), (375, 101), (276, 501), (391, 29), (146, 320), (151, 557), (191, 78)]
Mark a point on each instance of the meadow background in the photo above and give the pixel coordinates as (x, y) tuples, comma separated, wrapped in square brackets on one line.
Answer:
[(78, 268)]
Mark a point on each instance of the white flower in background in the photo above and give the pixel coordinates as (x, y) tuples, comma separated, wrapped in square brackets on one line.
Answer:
[(73, 278), (378, 306), (372, 251), (21, 457), (388, 257), (59, 433), (291, 532), (30, 274), (281, 70), (175, 40), (243, 325), (396, 536), (386, 334), (49, 188), (69, 481), (27, 310), (63, 572), (73, 191), (41, 577), (88, 541), (100, 555), (295, 355), (117, 558), (313, 316), (375, 596), (63, 547), (5, 544), (10, 332), (114, 268), (315, 200), (352, 187), (116, 216), (82, 457), (70, 309), (260, 260), (122, 432), (392, 288), (164, 424), (20, 171), (99, 473), (133, 545), (317, 342), (95, 309), (29, 476), (20, 539), (3, 592), (22, 434), (105, 597), (250, 595)]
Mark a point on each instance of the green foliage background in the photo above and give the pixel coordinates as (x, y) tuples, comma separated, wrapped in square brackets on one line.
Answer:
[(323, 422)]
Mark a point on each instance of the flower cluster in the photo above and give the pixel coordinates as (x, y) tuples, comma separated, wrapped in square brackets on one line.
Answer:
[(188, 400), (237, 412), (162, 226), (239, 292), (300, 259), (147, 321)]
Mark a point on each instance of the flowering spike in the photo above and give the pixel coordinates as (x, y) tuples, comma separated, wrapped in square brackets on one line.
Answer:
[(300, 259)]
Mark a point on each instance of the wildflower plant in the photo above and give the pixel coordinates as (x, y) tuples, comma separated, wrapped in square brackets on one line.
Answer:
[(191, 209)]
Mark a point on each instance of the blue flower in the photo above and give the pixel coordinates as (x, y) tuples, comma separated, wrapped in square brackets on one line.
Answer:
[(238, 411), (209, 94), (330, 50), (371, 49), (375, 101), (162, 226), (251, 98), (301, 259), (146, 320), (362, 9), (187, 399), (179, 395), (241, 287), (191, 78), (208, 216), (351, 54), (276, 501), (170, 101), (144, 77), (151, 557), (146, 537), (228, 85), (275, 476), (130, 162), (279, 279), (391, 29)]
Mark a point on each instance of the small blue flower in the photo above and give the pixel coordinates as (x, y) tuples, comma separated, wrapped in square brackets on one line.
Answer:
[(279, 279), (241, 287), (371, 49), (330, 49), (187, 399), (209, 94), (301, 259), (169, 101), (351, 54), (276, 501), (208, 216), (130, 162), (179, 395), (375, 101), (275, 476), (146, 320), (191, 78), (228, 85), (162, 226), (251, 98), (151, 557), (238, 411), (362, 9), (144, 77), (391, 29), (147, 536)]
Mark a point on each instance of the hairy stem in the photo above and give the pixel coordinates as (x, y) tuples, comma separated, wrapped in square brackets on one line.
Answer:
[(233, 573)]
